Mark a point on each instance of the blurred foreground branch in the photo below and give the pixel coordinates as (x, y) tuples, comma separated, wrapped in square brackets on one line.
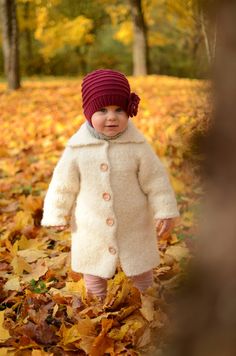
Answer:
[(204, 317)]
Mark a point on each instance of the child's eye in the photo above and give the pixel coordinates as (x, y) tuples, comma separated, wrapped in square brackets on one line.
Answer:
[(103, 110), (119, 109)]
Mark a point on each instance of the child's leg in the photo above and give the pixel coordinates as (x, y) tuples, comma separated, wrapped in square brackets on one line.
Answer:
[(95, 285), (143, 281)]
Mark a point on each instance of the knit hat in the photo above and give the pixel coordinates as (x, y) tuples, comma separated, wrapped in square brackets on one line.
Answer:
[(104, 87)]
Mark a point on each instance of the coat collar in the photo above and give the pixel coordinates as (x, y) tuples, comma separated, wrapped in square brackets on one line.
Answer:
[(83, 137)]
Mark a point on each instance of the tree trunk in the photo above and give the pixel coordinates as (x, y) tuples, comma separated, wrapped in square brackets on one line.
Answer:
[(10, 43), (206, 310), (206, 10), (28, 40), (206, 39), (140, 47)]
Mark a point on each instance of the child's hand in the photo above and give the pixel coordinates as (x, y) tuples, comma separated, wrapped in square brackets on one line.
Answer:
[(164, 226), (59, 228)]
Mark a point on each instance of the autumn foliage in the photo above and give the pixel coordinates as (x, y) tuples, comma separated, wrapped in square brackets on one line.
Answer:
[(43, 304)]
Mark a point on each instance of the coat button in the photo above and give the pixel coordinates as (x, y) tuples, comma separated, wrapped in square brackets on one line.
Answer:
[(104, 167), (112, 250), (106, 196), (110, 221)]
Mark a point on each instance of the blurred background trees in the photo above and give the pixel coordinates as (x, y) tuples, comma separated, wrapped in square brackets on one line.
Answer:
[(59, 37)]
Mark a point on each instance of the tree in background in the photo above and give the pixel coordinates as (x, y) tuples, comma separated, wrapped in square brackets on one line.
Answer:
[(140, 46), (208, 26), (63, 33), (173, 33), (10, 43), (60, 37), (57, 30)]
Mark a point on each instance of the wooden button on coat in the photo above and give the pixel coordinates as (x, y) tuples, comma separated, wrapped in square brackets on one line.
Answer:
[(112, 250), (104, 167), (106, 196), (110, 221)]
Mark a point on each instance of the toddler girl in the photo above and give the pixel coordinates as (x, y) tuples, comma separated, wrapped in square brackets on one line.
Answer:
[(110, 187)]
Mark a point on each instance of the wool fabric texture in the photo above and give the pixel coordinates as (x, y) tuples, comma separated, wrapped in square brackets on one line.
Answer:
[(104, 87), (110, 191)]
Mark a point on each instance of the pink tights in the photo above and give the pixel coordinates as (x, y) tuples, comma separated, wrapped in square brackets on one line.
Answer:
[(97, 286)]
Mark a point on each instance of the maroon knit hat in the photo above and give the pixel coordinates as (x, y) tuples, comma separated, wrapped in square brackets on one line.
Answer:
[(104, 87)]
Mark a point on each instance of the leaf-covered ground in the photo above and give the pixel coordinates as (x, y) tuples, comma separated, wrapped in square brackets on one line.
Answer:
[(43, 305)]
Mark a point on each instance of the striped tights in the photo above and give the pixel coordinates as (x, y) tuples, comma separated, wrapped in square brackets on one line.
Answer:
[(98, 286)]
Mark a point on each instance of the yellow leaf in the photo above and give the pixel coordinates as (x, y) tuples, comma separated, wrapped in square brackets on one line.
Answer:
[(177, 161), (124, 312), (38, 270), (86, 344), (183, 120), (58, 262), (77, 287), (83, 328), (39, 353), (117, 290), (174, 239), (147, 309), (22, 219), (170, 131), (6, 351), (188, 218), (119, 333), (86, 327), (178, 252), (15, 247), (25, 243), (19, 265), (178, 185), (4, 333), (30, 203), (69, 311), (55, 309), (103, 344), (31, 254), (69, 335), (12, 284), (188, 215), (133, 328)]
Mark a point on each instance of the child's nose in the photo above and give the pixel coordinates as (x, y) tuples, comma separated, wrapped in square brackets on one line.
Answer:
[(111, 115)]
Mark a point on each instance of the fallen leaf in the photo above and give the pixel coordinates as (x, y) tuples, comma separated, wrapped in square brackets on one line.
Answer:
[(19, 265), (147, 309), (39, 269), (13, 284), (4, 333), (31, 254), (178, 252), (102, 343)]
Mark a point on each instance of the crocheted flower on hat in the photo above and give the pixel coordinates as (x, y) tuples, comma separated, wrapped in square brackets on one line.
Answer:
[(132, 108)]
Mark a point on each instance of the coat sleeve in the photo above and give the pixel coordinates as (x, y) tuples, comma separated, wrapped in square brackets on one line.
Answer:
[(155, 183), (62, 191)]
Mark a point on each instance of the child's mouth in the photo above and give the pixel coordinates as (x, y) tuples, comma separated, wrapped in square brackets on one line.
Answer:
[(112, 126)]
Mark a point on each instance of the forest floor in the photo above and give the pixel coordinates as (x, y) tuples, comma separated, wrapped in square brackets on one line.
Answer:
[(44, 309)]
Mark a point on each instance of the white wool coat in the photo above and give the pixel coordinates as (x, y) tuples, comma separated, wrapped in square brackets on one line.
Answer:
[(111, 191)]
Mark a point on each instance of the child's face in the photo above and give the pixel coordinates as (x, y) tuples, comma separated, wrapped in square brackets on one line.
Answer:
[(110, 120)]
